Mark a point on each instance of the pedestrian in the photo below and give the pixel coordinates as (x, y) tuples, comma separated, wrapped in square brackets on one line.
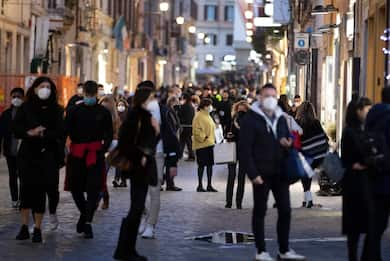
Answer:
[(195, 100), (110, 104), (203, 131), (118, 93), (357, 183), (170, 128), (264, 142), (149, 221), (296, 104), (186, 115), (122, 108), (224, 111), (378, 123), (77, 98), (90, 129), (39, 123), (9, 144), (239, 110), (138, 138), (101, 92), (314, 145), (283, 104)]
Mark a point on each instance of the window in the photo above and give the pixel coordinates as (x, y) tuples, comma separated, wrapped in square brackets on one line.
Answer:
[(2, 6), (210, 13), (229, 13), (229, 39), (210, 39), (52, 4)]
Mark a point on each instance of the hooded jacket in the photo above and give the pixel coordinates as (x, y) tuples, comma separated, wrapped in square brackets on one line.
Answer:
[(377, 115), (260, 151)]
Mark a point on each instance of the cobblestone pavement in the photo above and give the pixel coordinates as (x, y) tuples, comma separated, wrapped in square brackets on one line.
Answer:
[(315, 233)]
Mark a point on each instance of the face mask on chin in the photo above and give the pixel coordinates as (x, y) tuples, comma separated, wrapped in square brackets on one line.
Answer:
[(270, 104)]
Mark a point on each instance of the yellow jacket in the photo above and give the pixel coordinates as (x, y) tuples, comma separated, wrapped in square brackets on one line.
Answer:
[(203, 130)]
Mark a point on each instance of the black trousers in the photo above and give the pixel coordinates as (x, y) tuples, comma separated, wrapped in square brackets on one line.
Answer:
[(13, 177), (281, 192), (382, 212), (306, 182), (230, 184), (186, 140), (138, 192), (90, 181), (53, 193)]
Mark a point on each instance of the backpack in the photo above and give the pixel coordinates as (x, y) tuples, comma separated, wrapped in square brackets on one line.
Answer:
[(375, 145)]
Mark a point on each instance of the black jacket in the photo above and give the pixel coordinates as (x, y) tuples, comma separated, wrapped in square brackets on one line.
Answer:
[(224, 111), (6, 134), (137, 139), (32, 149), (73, 101), (170, 126), (260, 151), (186, 115)]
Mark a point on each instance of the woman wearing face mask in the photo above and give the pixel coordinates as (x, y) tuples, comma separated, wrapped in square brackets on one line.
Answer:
[(357, 190), (203, 132), (40, 125), (122, 108), (9, 144), (138, 138), (109, 103), (239, 110), (314, 144)]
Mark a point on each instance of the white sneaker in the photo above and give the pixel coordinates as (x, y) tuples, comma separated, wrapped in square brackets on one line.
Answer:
[(15, 204), (149, 232), (53, 220), (264, 256), (291, 255), (142, 227)]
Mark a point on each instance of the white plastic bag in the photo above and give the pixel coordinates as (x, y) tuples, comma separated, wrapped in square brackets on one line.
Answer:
[(225, 153)]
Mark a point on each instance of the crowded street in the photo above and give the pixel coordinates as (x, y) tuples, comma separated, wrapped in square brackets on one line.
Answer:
[(184, 215)]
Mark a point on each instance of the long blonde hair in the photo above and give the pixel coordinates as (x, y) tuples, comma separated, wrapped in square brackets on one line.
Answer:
[(237, 105), (109, 103)]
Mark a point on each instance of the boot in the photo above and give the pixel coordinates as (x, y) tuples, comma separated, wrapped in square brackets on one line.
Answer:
[(23, 233), (37, 236), (122, 251)]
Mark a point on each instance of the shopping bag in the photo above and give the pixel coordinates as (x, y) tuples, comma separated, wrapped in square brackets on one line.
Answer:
[(219, 134), (333, 167), (306, 165), (294, 170), (225, 153)]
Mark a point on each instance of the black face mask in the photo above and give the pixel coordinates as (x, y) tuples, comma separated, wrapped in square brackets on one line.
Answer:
[(240, 114)]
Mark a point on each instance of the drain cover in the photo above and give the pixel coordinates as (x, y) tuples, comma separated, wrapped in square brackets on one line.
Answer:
[(226, 237)]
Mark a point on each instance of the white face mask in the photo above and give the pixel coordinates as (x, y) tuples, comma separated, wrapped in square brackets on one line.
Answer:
[(44, 93), (153, 106), (17, 102), (80, 91), (211, 108), (121, 108), (101, 93), (270, 103)]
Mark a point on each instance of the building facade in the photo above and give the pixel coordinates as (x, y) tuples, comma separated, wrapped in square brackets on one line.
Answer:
[(215, 27)]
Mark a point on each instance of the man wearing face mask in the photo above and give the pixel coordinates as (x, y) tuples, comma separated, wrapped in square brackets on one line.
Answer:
[(77, 98), (101, 92), (90, 129), (9, 144), (264, 141)]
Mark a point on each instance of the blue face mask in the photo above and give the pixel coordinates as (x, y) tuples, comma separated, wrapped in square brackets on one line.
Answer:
[(89, 101)]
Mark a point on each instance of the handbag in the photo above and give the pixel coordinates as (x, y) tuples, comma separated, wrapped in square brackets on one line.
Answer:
[(294, 170), (333, 167), (225, 153)]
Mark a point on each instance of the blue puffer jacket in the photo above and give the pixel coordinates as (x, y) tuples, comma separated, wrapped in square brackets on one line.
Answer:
[(377, 114), (260, 151)]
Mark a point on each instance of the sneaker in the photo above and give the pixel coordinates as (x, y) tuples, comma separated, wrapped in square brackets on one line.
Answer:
[(80, 224), (88, 233), (37, 236), (149, 232), (263, 256), (291, 255), (53, 220), (310, 204), (23, 233), (211, 189), (228, 205)]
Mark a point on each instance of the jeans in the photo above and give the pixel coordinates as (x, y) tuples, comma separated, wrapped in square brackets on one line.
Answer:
[(230, 184), (280, 190), (153, 203), (13, 177)]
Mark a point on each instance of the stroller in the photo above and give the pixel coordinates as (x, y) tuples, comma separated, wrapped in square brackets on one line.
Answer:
[(328, 187)]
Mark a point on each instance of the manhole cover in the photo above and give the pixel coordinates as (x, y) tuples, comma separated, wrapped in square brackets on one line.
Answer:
[(226, 237)]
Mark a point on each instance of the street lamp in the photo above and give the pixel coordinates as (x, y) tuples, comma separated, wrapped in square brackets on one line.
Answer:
[(249, 33), (249, 39), (249, 26), (192, 29), (201, 36), (207, 40), (164, 6), (180, 20), (248, 14)]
